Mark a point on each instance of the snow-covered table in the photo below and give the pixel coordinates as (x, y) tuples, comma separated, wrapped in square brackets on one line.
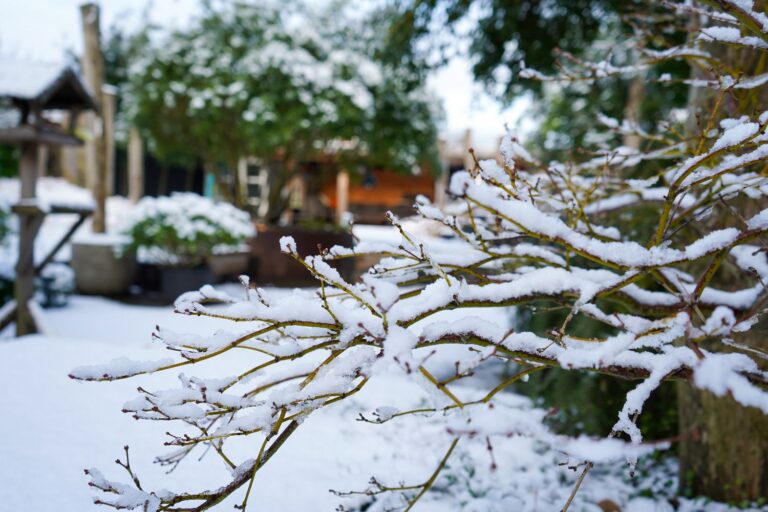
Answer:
[(34, 214)]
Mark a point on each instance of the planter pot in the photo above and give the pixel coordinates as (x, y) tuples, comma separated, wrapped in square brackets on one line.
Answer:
[(226, 265), (99, 269), (177, 280), (270, 266), (149, 276)]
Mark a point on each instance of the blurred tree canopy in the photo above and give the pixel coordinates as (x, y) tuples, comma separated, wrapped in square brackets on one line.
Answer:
[(502, 36), (287, 82)]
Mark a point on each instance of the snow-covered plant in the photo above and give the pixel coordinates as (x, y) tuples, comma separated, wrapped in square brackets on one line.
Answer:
[(290, 78), (542, 233), (185, 228)]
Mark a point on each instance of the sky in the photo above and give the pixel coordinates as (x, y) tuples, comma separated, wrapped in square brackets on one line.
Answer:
[(44, 29)]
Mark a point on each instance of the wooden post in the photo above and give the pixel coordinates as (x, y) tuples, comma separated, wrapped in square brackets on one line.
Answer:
[(441, 180), (42, 160), (135, 166), (109, 100), (242, 173), (70, 156), (469, 162), (441, 187), (69, 169), (29, 224), (93, 72), (342, 195)]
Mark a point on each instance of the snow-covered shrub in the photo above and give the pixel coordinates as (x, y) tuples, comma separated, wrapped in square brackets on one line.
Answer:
[(552, 233), (185, 228)]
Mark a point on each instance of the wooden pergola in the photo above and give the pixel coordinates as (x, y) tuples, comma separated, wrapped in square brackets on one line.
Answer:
[(34, 90)]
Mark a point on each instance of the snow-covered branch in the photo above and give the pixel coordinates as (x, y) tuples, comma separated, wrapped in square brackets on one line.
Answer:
[(663, 303)]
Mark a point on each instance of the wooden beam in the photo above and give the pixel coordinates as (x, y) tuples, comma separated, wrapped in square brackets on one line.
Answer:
[(31, 208), (441, 188), (109, 98), (64, 239), (469, 163), (342, 195), (42, 159), (135, 166), (69, 155), (8, 314), (93, 72), (241, 182), (38, 134), (29, 224)]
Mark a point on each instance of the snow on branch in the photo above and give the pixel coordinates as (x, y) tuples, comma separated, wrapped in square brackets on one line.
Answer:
[(662, 307)]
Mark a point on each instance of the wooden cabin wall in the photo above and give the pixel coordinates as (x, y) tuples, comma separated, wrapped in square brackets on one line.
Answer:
[(390, 190)]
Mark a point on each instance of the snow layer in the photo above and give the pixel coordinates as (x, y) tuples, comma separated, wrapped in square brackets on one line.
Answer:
[(72, 425)]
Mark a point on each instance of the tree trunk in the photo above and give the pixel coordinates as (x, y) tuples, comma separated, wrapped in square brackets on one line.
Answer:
[(724, 452), (632, 109), (93, 72)]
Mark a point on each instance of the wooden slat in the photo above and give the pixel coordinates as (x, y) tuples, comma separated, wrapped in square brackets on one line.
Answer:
[(52, 253)]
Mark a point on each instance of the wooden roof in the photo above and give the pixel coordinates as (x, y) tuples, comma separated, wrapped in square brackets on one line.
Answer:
[(43, 134), (42, 86)]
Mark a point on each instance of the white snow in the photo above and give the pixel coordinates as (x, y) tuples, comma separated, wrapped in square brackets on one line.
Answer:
[(50, 192), (72, 425), (26, 78)]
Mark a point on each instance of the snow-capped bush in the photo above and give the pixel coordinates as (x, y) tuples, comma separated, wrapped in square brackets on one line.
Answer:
[(185, 228), (664, 306)]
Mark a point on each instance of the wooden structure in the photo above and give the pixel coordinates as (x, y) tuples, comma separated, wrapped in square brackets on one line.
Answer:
[(99, 142), (35, 90), (368, 197)]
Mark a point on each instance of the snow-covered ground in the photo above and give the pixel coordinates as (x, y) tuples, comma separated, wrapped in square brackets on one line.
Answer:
[(54, 191), (54, 427)]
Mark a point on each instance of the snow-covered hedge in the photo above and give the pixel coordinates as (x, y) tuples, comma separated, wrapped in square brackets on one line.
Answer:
[(185, 228), (664, 306)]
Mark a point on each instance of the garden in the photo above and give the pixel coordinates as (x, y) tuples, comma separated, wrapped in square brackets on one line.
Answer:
[(574, 322)]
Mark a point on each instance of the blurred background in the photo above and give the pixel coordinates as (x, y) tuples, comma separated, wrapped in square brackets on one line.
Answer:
[(150, 147), (306, 115)]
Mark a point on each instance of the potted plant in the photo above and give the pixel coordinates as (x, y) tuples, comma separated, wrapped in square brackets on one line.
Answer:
[(191, 239)]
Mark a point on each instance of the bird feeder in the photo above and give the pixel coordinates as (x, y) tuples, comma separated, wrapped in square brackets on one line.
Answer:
[(33, 94)]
